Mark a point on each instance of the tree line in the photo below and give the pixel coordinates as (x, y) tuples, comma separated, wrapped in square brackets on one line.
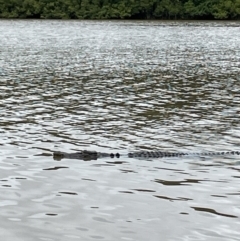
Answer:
[(121, 9)]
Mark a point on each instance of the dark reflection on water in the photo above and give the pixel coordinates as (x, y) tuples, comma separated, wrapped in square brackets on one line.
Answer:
[(6, 186), (88, 179), (116, 162), (118, 86), (173, 183), (173, 199), (209, 210), (144, 190), (234, 193), (128, 192), (54, 168), (69, 193)]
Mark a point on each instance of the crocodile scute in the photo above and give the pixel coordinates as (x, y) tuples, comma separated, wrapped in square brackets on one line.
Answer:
[(94, 155)]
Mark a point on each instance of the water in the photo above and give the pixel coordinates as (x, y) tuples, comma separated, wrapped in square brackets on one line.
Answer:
[(116, 86)]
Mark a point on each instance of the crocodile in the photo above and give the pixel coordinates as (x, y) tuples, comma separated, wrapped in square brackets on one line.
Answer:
[(94, 155)]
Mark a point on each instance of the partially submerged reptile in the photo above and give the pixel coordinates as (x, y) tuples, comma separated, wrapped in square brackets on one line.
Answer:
[(94, 155)]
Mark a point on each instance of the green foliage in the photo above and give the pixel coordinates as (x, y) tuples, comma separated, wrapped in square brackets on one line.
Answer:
[(121, 9), (30, 9), (190, 9), (227, 9)]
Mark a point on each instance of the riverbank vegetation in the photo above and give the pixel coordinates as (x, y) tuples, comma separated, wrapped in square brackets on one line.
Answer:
[(121, 9)]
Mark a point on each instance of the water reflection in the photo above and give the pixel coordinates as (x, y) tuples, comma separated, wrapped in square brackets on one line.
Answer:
[(174, 183), (173, 199), (68, 193), (54, 168), (209, 210)]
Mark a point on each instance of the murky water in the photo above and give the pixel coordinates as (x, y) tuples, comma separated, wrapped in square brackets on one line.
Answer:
[(116, 87)]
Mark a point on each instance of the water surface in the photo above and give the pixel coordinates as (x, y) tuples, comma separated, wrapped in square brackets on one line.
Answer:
[(118, 86)]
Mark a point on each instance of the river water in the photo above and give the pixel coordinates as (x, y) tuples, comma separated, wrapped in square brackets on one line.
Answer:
[(119, 86)]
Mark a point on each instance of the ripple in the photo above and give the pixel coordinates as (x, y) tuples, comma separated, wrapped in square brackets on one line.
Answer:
[(5, 203), (144, 190), (51, 214), (172, 183), (54, 168), (68, 193), (173, 199), (209, 210)]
